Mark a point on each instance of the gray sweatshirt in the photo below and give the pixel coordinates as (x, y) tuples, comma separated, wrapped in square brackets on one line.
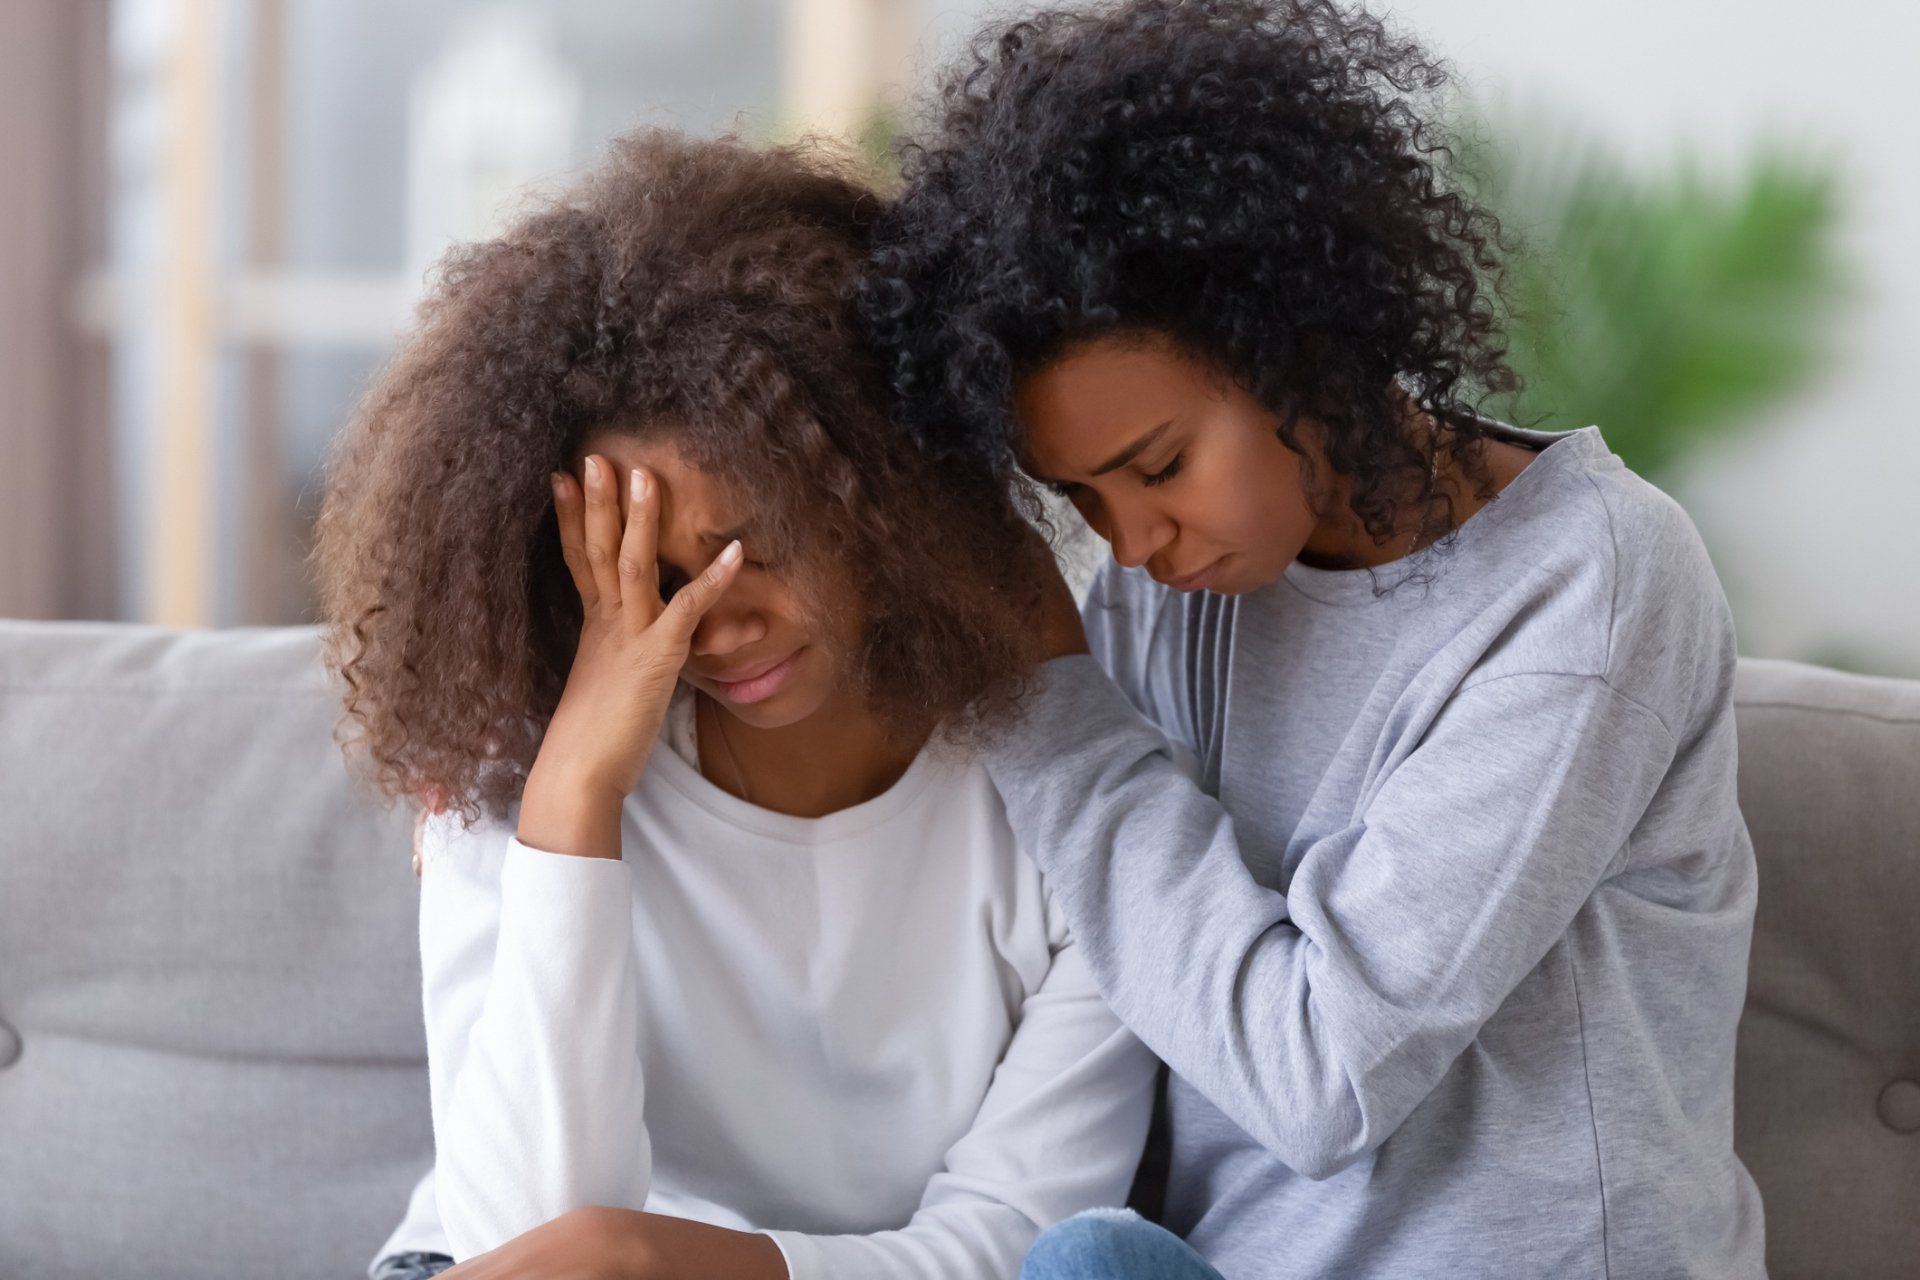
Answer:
[(1437, 903)]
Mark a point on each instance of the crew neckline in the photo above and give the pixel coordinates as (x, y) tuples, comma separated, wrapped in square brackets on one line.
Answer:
[(1558, 451), (685, 777)]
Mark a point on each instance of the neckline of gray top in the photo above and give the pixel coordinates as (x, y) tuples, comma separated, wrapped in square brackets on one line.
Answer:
[(1559, 450)]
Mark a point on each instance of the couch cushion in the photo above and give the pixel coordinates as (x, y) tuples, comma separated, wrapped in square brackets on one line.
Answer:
[(207, 953), (208, 958), (1828, 1066)]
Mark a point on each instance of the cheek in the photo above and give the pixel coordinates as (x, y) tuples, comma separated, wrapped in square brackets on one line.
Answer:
[(828, 625), (822, 680), (818, 684), (1249, 500), (829, 668), (1233, 500)]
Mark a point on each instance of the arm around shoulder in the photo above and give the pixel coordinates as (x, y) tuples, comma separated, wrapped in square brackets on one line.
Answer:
[(1317, 1019)]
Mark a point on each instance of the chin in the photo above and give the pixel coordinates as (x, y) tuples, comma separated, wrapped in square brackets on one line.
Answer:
[(1240, 584), (774, 713)]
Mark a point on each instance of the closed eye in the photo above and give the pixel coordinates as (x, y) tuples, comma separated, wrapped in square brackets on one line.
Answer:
[(1165, 473), (671, 580)]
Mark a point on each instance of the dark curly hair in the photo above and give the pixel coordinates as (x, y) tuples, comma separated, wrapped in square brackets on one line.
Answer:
[(696, 288), (1260, 180)]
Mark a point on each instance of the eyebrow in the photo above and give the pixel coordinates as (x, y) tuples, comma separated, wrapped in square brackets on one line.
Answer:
[(1132, 451)]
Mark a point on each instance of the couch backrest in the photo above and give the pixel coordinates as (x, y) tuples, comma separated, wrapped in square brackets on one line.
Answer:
[(209, 974), (211, 1058), (1827, 1076)]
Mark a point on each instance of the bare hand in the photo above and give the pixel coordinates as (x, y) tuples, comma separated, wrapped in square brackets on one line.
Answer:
[(632, 644), (605, 1243), (586, 1244)]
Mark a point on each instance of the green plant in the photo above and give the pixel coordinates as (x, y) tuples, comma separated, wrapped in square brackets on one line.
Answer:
[(1664, 304)]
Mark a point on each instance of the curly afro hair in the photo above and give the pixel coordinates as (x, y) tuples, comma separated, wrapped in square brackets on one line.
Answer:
[(1260, 180), (701, 289)]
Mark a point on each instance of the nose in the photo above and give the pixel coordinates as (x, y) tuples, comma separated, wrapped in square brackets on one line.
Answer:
[(1136, 536), (727, 628)]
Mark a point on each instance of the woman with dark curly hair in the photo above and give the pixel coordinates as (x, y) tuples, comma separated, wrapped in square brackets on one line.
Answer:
[(732, 965), (1438, 901)]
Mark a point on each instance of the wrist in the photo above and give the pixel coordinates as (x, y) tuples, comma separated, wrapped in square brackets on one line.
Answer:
[(575, 756), (570, 811), (652, 1246), (575, 778)]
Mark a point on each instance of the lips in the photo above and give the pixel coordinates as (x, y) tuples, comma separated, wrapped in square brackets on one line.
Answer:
[(762, 682), (1193, 581), (744, 674)]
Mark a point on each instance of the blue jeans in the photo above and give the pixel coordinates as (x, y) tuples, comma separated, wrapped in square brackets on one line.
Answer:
[(1112, 1244)]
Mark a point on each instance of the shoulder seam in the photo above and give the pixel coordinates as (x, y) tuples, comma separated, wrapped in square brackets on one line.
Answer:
[(1605, 682)]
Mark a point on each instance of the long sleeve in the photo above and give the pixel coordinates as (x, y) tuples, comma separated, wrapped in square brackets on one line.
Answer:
[(1319, 1018), (531, 1005), (1060, 1129)]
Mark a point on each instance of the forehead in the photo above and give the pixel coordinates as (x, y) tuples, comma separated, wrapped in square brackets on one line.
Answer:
[(689, 496), (1098, 397)]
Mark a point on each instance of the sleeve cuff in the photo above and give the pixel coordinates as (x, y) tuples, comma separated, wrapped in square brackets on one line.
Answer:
[(794, 1249)]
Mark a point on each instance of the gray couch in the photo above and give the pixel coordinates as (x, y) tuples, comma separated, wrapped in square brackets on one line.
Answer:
[(211, 1060)]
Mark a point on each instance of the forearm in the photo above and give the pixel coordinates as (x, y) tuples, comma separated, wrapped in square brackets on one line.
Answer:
[(660, 1247), (1146, 865), (564, 809), (613, 1243), (540, 1106), (1201, 961), (513, 1118), (1318, 1019)]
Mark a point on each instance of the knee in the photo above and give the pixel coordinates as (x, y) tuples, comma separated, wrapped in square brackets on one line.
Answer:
[(1098, 1244)]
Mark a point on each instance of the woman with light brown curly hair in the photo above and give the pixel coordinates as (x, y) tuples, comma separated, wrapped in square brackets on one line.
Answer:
[(732, 965)]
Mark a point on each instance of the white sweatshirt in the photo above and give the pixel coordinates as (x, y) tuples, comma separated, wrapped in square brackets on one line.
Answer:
[(866, 1035)]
